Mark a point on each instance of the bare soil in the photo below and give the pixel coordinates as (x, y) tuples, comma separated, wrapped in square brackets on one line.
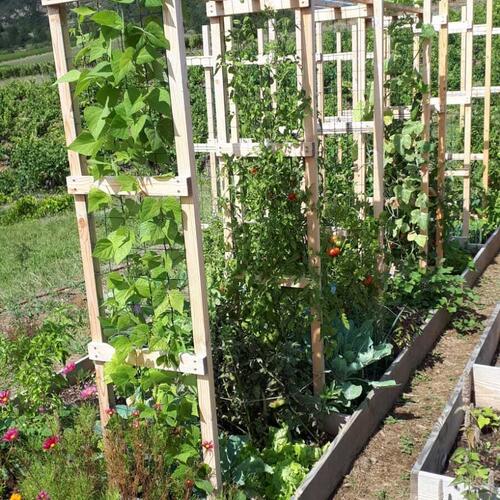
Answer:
[(382, 470)]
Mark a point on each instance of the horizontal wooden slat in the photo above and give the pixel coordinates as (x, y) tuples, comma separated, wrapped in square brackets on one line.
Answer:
[(455, 97), (252, 149), (460, 156), (149, 186), (339, 56), (337, 14), (234, 7), (295, 282), (459, 27), (334, 127), (188, 363), (457, 173), (47, 3)]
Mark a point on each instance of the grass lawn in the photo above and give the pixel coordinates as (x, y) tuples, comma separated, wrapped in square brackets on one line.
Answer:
[(38, 256)]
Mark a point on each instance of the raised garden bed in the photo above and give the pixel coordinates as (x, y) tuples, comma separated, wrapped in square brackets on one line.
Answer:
[(479, 384), (328, 472)]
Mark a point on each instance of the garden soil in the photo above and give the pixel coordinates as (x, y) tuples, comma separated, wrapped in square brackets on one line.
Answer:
[(382, 470)]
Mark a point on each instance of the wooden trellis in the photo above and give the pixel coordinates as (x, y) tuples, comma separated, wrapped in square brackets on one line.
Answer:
[(464, 99), (224, 139), (183, 186)]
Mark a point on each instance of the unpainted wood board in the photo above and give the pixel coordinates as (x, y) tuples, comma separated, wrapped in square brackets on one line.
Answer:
[(486, 386), (183, 133)]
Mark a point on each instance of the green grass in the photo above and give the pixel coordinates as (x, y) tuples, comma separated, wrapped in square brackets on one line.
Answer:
[(38, 256), (27, 55)]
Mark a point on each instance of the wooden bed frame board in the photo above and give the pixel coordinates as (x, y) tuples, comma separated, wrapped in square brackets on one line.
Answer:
[(425, 475), (329, 471)]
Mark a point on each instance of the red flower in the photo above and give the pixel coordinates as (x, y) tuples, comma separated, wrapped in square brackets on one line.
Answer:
[(189, 483), (292, 197), (4, 397), (136, 413), (43, 495), (11, 435), (70, 367), (50, 442), (88, 392), (110, 412), (136, 424), (207, 445)]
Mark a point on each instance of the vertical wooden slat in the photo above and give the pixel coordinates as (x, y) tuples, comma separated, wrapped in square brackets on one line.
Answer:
[(220, 95), (233, 111), (234, 126), (338, 50), (208, 73), (86, 229), (441, 156), (272, 38), (463, 44), (426, 119), (320, 93), (487, 95), (468, 116), (183, 129), (260, 50), (378, 110), (358, 98), (307, 58), (298, 46)]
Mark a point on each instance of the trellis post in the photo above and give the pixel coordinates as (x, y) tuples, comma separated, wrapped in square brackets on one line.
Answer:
[(441, 154), (358, 98), (220, 91), (207, 52), (183, 129), (426, 120), (307, 58), (57, 14), (468, 116), (378, 111), (338, 49), (487, 96)]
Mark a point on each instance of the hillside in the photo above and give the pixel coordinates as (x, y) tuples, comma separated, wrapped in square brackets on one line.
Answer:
[(23, 23)]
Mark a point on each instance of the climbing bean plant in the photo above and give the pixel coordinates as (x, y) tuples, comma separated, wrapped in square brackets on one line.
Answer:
[(127, 131)]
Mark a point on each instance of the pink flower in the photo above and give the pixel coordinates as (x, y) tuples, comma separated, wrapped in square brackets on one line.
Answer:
[(110, 412), (11, 435), (43, 495), (70, 367), (136, 424), (207, 445), (4, 397), (50, 442), (88, 392)]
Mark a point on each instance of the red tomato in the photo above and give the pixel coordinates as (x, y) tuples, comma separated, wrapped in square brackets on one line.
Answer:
[(368, 280), (334, 252)]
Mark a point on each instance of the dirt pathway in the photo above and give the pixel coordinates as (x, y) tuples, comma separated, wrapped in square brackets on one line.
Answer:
[(382, 470)]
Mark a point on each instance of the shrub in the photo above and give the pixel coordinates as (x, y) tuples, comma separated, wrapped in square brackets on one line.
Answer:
[(39, 163), (29, 207)]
